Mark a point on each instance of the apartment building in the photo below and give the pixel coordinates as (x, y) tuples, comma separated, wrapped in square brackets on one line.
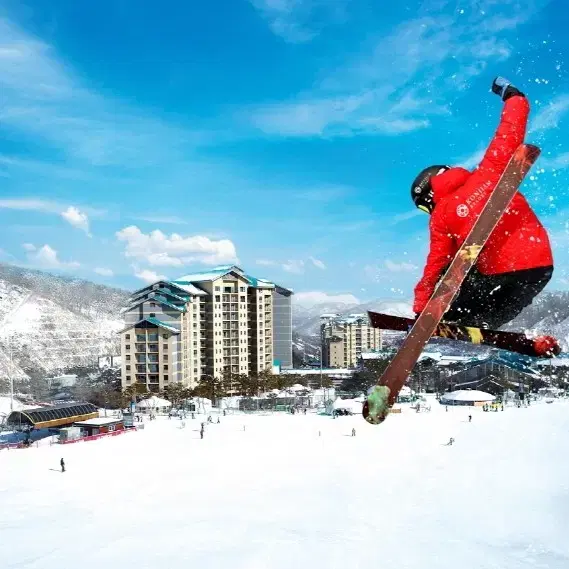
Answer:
[(343, 339), (203, 324)]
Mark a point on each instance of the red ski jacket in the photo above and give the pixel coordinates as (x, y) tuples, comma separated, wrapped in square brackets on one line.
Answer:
[(518, 242)]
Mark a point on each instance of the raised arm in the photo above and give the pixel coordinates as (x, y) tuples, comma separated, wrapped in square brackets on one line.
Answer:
[(511, 130)]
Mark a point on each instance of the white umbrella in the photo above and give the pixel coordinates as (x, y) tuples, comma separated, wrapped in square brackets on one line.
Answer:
[(470, 395), (154, 402)]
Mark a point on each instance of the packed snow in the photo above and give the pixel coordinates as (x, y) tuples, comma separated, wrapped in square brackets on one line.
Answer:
[(281, 491)]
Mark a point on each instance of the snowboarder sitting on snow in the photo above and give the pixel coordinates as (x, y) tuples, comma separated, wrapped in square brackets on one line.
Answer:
[(516, 262)]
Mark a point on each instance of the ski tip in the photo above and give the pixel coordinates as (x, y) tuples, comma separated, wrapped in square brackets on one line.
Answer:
[(546, 346), (376, 406), (371, 419), (529, 151)]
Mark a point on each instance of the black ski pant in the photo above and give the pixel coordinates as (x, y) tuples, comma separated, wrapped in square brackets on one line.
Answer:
[(490, 301)]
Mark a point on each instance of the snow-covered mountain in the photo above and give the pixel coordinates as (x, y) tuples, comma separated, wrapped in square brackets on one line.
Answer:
[(51, 323), (549, 314), (306, 320)]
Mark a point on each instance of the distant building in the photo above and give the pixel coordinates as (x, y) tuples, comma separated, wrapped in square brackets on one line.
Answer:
[(282, 327), (99, 426), (496, 376), (344, 339), (440, 359), (62, 381), (313, 376), (205, 324)]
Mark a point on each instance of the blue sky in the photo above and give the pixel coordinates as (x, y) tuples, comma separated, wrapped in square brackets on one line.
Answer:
[(140, 139)]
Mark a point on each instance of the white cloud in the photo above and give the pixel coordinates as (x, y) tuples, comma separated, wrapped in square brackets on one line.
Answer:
[(403, 266), (296, 266), (341, 115), (324, 193), (77, 219), (43, 97), (149, 276), (398, 218), (31, 204), (397, 85), (299, 21), (69, 213), (318, 297), (318, 263), (473, 160), (159, 249), (104, 272), (550, 115), (557, 162), (47, 257), (173, 219), (293, 266)]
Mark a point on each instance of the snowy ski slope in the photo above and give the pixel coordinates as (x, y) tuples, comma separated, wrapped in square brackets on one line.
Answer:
[(270, 492)]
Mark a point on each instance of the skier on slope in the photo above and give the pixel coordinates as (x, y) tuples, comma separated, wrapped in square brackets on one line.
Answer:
[(516, 262)]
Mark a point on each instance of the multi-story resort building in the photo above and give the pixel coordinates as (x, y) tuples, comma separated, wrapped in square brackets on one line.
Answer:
[(343, 339), (214, 323)]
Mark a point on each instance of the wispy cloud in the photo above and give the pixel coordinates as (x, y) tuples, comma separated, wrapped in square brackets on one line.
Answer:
[(400, 217), (71, 214), (339, 115), (168, 219), (314, 297), (103, 271), (398, 267), (43, 97), (46, 257), (318, 263), (324, 193), (159, 249), (32, 204), (52, 169), (44, 206), (299, 21), (293, 266), (550, 115), (266, 263), (556, 162), (296, 266), (472, 160), (397, 85)]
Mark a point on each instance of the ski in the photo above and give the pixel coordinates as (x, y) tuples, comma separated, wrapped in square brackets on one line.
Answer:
[(384, 394), (538, 347)]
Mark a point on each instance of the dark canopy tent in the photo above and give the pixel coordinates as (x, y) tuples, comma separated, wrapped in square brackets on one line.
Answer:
[(51, 416)]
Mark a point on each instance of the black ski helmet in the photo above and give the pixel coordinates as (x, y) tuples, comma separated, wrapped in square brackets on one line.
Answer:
[(421, 190)]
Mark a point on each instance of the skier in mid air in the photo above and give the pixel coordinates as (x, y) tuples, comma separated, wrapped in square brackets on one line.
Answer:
[(516, 262)]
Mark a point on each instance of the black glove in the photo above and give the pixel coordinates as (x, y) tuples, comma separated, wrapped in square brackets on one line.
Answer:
[(505, 89)]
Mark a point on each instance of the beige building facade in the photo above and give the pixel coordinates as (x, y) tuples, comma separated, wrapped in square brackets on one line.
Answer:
[(204, 324), (344, 339)]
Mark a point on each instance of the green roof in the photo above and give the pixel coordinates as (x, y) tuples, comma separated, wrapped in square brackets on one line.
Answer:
[(217, 272), (154, 322)]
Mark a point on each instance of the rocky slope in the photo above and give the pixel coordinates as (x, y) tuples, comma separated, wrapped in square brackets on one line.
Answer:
[(50, 324)]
